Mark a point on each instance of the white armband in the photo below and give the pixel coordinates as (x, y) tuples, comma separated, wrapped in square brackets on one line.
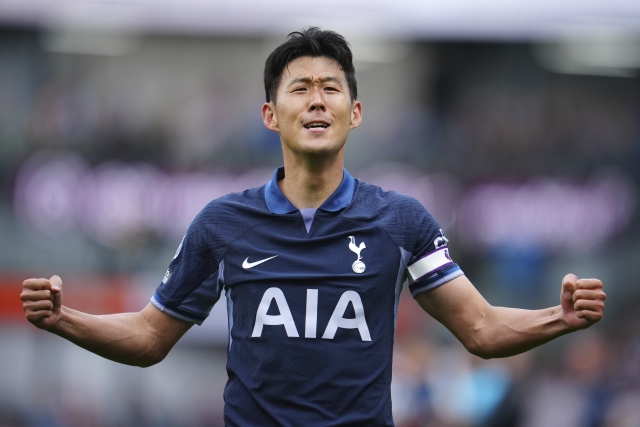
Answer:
[(429, 263)]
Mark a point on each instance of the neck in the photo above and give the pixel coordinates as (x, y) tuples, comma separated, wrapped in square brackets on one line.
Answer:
[(309, 184)]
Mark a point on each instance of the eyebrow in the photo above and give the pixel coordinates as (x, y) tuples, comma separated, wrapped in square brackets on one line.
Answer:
[(308, 80)]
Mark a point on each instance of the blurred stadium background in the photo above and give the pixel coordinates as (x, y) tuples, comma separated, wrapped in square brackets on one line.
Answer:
[(517, 125)]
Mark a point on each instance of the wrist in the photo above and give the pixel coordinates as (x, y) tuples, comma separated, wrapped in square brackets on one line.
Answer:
[(564, 324), (57, 325)]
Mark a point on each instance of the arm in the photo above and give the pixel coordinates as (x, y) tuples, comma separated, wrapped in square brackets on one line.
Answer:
[(488, 331), (139, 339)]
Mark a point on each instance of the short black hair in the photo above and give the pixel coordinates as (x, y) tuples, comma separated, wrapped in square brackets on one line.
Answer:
[(314, 42)]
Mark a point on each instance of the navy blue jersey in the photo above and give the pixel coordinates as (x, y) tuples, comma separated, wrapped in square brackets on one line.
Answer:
[(312, 311)]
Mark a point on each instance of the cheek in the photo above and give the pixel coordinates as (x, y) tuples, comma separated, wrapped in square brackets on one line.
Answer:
[(347, 117), (288, 115), (288, 123)]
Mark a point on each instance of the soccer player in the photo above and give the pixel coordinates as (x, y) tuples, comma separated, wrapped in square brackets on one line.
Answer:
[(312, 264)]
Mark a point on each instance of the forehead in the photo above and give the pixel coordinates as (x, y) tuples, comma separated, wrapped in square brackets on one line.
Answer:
[(308, 66)]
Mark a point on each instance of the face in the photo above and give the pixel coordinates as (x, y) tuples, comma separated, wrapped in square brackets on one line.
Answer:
[(313, 112)]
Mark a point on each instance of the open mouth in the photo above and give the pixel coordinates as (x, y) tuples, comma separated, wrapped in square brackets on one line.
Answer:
[(316, 125)]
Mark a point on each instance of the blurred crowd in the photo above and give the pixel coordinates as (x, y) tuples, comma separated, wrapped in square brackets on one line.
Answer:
[(479, 112), (590, 379)]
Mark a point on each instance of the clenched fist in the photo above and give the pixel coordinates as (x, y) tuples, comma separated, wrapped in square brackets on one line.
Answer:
[(41, 301), (582, 301)]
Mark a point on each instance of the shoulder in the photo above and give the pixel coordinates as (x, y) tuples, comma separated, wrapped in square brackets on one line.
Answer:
[(231, 215), (373, 200), (228, 207), (403, 217)]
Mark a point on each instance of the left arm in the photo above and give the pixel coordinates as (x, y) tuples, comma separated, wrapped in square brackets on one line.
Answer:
[(489, 331)]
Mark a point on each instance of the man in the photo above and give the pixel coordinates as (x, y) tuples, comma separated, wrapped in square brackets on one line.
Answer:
[(313, 264)]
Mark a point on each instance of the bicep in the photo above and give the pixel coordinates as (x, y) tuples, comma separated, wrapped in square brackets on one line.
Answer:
[(167, 330), (457, 305)]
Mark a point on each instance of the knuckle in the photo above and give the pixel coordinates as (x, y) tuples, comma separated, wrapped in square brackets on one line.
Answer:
[(593, 316), (584, 305)]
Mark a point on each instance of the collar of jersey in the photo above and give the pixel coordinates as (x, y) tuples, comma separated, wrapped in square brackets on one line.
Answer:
[(279, 204)]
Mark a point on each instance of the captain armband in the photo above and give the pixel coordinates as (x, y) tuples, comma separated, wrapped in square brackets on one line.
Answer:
[(432, 270)]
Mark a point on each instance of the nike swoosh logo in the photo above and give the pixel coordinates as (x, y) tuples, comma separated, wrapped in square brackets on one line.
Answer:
[(246, 264)]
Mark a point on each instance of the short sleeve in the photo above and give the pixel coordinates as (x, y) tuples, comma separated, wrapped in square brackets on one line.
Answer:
[(430, 264), (193, 282)]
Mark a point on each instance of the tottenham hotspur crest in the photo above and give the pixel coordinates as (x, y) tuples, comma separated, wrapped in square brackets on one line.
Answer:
[(358, 266)]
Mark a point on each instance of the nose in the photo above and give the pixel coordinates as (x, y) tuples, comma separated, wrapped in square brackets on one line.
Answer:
[(317, 101)]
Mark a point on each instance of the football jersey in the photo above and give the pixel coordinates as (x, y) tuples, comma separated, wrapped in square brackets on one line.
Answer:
[(312, 308)]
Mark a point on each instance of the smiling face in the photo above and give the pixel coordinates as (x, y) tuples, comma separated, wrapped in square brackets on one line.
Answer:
[(313, 111)]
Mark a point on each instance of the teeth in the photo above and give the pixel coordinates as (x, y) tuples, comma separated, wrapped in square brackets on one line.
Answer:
[(316, 125)]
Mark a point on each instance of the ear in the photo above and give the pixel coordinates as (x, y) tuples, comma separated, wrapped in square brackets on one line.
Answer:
[(356, 115), (269, 116)]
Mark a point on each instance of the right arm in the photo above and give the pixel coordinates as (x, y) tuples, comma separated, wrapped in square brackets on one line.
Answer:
[(139, 339), (489, 331)]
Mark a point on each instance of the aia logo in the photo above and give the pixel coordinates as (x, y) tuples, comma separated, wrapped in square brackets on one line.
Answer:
[(337, 320)]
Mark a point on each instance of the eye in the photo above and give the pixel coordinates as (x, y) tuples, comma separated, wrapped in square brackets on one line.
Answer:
[(300, 89)]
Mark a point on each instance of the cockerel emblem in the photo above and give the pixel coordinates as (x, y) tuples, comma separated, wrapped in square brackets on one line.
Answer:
[(358, 266)]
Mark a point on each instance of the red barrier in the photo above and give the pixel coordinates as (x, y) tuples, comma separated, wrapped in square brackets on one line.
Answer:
[(89, 293)]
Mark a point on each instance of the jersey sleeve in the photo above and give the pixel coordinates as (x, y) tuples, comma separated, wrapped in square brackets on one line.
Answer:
[(193, 282), (430, 264)]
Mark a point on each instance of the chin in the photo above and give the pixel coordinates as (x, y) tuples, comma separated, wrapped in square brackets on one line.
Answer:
[(321, 149)]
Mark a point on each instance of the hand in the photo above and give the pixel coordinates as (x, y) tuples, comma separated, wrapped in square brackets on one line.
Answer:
[(582, 301), (42, 301)]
